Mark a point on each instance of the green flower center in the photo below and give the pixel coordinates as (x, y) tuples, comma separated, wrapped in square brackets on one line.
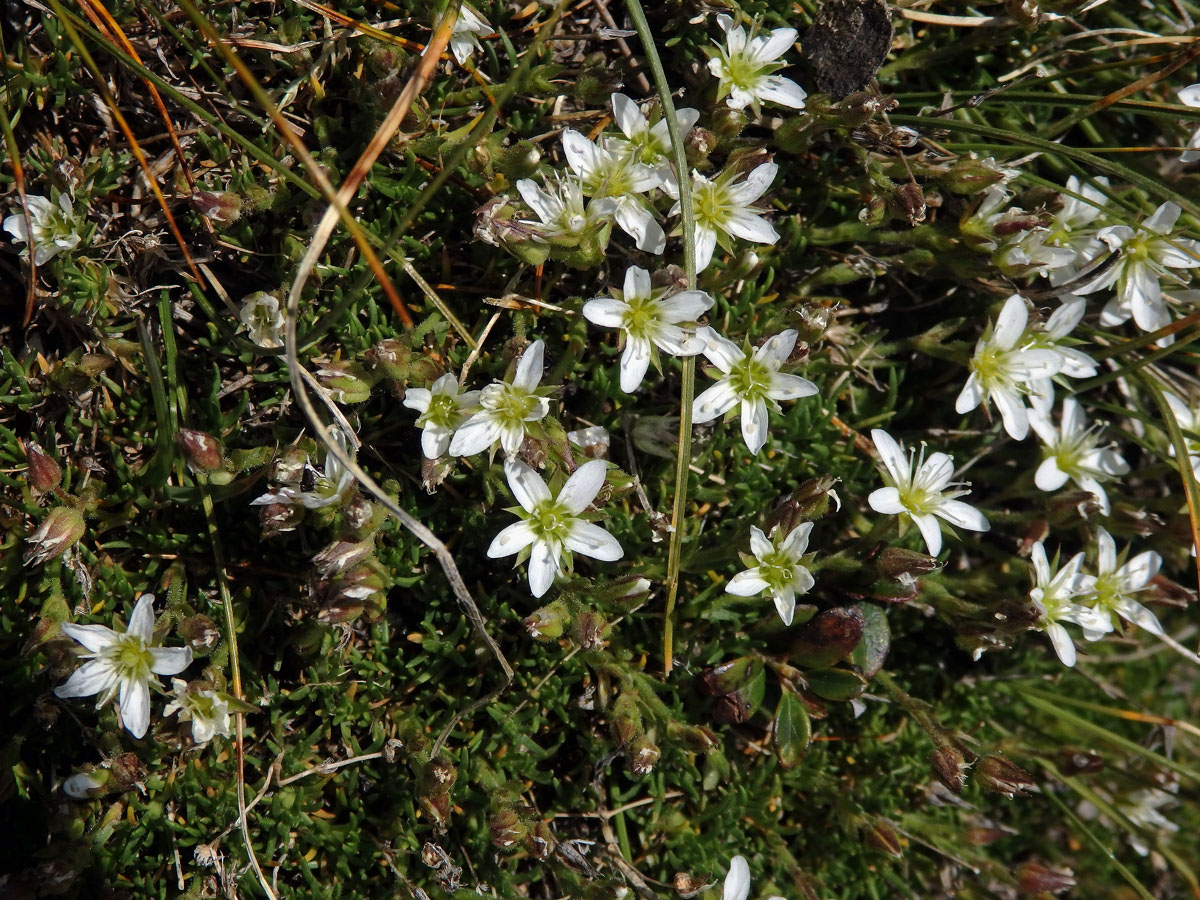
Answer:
[(130, 657), (641, 317), (550, 521), (777, 569), (710, 204), (750, 379), (442, 411)]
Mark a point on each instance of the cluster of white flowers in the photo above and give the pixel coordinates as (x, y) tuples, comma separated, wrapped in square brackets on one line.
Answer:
[(1095, 602)]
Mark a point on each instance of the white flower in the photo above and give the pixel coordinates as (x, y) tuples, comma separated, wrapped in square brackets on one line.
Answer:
[(1006, 367), (722, 208), (1190, 96), (737, 882), (920, 489), (551, 525), (1148, 254), (262, 316), (1074, 226), (441, 407), (464, 37), (605, 174), (560, 206), (123, 663), (1053, 336), (746, 65), (648, 144), (53, 229), (1187, 415), (779, 571), (506, 407), (329, 488), (85, 785), (753, 381), (1141, 808), (649, 321), (208, 711), (1112, 593), (1053, 593), (1072, 451)]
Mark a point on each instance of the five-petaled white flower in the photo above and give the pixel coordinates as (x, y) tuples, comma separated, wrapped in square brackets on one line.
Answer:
[(1073, 451), (779, 572), (723, 208), (648, 321), (441, 407), (1148, 254), (1054, 593), (123, 663), (262, 316), (207, 710), (920, 489), (53, 228), (1006, 367), (645, 143), (1187, 415), (1075, 226), (1190, 96), (1115, 586), (1054, 335), (464, 37), (746, 68), (552, 525), (329, 488), (561, 207), (751, 380), (617, 176), (1141, 807), (506, 407)]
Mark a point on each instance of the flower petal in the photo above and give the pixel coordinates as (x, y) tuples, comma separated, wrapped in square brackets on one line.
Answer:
[(776, 349), (135, 706), (744, 224), (886, 501), (686, 306), (513, 539), (607, 312), (637, 284), (529, 369), (476, 435), (629, 118), (169, 660), (94, 637), (714, 402), (94, 677), (583, 486), (790, 387), (1010, 324), (963, 515), (746, 584), (755, 185), (720, 351), (706, 243), (930, 530), (754, 423), (634, 363), (592, 540), (637, 222), (796, 542), (894, 459), (543, 566), (1049, 477), (760, 544), (1063, 645), (737, 882), (784, 91), (526, 485)]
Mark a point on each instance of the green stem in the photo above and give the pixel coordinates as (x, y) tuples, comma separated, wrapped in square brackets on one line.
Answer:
[(684, 456)]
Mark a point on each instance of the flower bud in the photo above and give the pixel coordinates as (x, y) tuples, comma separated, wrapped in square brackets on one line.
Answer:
[(86, 785), (732, 709), (728, 677), (200, 633), (909, 199), (995, 773), (519, 161), (970, 176), (625, 720), (875, 213), (981, 836), (359, 512), (340, 610), (44, 473), (903, 565), (347, 381), (549, 622), (393, 357), (59, 531), (694, 739), (727, 123), (698, 144), (540, 840), (276, 518), (507, 828), (809, 501), (201, 451), (222, 207), (588, 630), (1077, 762), (643, 756), (880, 834), (341, 555), (949, 766), (1034, 878)]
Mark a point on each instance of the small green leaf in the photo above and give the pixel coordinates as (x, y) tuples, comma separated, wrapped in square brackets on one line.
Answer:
[(835, 684), (793, 730), (876, 639)]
